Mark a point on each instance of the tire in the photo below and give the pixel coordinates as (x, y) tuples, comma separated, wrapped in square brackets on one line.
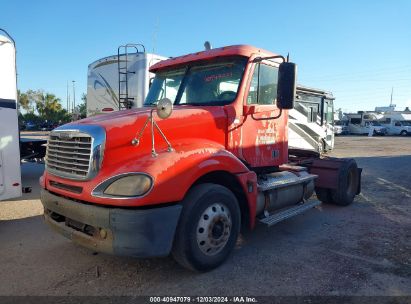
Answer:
[(404, 133), (206, 208), (347, 184), (324, 195)]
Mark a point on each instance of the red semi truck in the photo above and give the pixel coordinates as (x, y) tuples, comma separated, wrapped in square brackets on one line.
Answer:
[(205, 157)]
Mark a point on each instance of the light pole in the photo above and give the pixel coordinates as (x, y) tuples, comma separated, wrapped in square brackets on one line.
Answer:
[(68, 98), (74, 95)]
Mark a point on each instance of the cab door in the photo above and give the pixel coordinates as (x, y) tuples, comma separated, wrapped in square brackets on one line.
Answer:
[(264, 130)]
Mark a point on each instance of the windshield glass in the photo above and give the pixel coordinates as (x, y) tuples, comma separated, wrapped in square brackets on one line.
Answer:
[(213, 83), (406, 123)]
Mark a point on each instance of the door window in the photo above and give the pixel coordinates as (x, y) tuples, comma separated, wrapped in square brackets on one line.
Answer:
[(263, 87)]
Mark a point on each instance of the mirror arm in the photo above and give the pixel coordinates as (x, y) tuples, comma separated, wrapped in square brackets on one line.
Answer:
[(259, 59), (268, 118)]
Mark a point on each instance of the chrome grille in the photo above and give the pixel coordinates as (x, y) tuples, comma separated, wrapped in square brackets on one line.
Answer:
[(70, 156), (75, 153)]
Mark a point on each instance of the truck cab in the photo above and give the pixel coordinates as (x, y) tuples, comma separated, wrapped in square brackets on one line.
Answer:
[(205, 157)]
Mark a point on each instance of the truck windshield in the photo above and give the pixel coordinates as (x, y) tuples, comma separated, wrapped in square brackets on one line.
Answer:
[(213, 83)]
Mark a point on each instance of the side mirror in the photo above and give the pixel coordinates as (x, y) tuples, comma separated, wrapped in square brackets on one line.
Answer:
[(164, 108), (287, 75)]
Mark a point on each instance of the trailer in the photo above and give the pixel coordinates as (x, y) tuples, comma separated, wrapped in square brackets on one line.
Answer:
[(311, 121), (10, 176), (120, 81)]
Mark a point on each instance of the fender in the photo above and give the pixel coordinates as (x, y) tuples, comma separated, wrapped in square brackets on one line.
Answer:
[(173, 173)]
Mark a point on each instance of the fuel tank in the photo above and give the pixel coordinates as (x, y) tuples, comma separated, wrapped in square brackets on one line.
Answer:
[(282, 189)]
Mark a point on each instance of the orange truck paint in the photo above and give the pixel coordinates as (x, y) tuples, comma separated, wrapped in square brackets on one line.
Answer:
[(205, 139)]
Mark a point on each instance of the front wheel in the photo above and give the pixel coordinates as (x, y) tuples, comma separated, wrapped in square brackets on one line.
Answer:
[(404, 133), (208, 228)]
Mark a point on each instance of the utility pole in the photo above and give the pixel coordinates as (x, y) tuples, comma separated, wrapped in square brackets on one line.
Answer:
[(74, 95), (392, 91), (68, 98)]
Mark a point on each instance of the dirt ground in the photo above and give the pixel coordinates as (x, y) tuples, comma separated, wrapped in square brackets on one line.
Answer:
[(363, 249)]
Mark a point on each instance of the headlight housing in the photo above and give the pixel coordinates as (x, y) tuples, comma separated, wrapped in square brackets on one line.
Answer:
[(126, 185)]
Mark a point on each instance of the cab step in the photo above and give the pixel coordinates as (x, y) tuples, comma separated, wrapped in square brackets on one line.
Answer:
[(277, 217)]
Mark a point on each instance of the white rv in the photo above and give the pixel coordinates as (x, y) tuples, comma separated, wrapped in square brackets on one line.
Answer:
[(397, 123), (362, 122), (311, 122), (120, 81), (10, 176)]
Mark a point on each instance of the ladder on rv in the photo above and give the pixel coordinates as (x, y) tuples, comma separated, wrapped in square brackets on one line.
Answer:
[(123, 52)]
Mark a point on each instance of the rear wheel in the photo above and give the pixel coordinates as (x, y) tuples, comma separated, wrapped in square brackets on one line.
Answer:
[(347, 184), (324, 195), (208, 228), (348, 180)]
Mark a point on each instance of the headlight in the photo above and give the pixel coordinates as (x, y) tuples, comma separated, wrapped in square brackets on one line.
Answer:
[(126, 185)]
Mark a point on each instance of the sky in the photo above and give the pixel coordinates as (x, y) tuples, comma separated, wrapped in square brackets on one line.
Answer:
[(358, 50)]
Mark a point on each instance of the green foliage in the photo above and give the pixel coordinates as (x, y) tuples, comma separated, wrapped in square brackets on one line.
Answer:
[(47, 106), (81, 109)]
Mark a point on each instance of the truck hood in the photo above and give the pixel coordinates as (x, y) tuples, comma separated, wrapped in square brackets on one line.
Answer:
[(186, 123)]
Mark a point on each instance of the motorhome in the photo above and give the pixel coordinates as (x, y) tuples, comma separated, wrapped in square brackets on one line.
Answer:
[(10, 176), (397, 123), (120, 81), (362, 122), (311, 121)]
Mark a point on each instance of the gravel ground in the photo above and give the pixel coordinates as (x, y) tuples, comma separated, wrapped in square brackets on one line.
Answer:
[(363, 249)]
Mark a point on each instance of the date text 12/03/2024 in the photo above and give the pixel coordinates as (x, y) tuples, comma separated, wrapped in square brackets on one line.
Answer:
[(238, 299)]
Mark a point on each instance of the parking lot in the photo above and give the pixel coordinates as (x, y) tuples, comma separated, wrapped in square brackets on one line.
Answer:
[(363, 249)]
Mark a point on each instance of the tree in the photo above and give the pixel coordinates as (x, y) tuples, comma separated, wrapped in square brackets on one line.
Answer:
[(81, 109), (24, 101), (47, 105)]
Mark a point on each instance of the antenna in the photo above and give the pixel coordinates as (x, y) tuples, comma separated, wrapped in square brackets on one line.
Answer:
[(392, 91), (155, 32), (288, 57)]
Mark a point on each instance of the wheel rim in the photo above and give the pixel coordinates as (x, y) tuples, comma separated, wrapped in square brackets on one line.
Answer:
[(214, 229)]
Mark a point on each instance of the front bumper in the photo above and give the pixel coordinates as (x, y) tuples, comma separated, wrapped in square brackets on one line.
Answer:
[(130, 232)]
